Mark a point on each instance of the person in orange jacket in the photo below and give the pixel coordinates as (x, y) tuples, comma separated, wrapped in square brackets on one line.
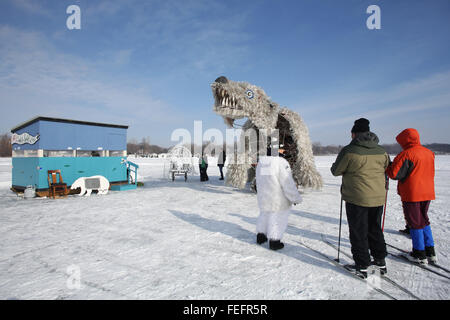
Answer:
[(414, 170)]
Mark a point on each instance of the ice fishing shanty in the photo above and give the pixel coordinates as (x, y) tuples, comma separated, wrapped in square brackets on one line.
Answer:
[(75, 148)]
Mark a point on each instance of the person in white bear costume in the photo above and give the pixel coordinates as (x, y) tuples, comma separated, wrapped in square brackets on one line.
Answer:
[(276, 192)]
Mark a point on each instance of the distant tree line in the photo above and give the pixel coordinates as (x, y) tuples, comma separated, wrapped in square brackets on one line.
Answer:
[(144, 147), (439, 148), (394, 148), (5, 145), (320, 150)]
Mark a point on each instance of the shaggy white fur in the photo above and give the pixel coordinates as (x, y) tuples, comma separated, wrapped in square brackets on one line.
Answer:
[(276, 193), (236, 100), (304, 170), (272, 224)]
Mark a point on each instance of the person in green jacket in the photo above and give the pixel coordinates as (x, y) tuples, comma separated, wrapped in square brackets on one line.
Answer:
[(362, 165), (203, 166)]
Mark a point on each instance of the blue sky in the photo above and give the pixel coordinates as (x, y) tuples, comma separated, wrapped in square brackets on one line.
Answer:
[(149, 64)]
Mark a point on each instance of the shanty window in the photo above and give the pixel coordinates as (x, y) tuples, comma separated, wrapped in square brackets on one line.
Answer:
[(89, 153), (58, 153), (120, 153), (24, 153)]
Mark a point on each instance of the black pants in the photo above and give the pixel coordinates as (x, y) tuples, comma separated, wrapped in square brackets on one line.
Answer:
[(203, 173), (365, 233), (221, 170)]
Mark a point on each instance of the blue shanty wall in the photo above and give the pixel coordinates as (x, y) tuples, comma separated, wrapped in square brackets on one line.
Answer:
[(72, 136), (33, 171)]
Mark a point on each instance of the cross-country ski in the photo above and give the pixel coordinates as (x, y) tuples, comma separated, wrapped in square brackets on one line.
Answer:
[(403, 256), (383, 276), (344, 267), (434, 264)]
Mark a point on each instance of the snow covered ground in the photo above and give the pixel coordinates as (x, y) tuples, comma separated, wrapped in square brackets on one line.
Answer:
[(195, 240)]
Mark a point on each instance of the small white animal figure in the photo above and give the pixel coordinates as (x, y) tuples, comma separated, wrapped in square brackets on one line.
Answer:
[(87, 184)]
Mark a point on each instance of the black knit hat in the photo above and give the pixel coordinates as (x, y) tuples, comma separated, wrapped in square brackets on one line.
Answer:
[(361, 125)]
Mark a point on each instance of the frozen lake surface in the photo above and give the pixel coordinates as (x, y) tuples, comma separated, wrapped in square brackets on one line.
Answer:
[(195, 240)]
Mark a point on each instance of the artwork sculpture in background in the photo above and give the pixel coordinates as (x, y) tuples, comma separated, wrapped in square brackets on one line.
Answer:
[(236, 100), (87, 184)]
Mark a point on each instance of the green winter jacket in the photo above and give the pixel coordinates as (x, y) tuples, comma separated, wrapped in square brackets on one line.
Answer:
[(362, 165)]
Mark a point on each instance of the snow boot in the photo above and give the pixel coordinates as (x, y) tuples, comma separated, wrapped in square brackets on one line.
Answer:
[(276, 244), (261, 238), (360, 271), (380, 264), (431, 255), (417, 256), (405, 232)]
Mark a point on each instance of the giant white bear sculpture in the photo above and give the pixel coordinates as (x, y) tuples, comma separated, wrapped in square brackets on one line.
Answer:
[(87, 184)]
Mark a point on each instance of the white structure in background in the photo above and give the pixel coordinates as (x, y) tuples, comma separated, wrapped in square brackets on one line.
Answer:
[(181, 162), (87, 184)]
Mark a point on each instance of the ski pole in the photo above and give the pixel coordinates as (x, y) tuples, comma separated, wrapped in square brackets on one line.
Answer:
[(340, 224), (385, 202)]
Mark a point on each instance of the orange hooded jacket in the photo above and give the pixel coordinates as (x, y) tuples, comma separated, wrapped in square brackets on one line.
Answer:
[(414, 168)]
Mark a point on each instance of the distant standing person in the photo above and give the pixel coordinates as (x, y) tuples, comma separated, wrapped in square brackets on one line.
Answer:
[(362, 165), (203, 166), (414, 170), (221, 163)]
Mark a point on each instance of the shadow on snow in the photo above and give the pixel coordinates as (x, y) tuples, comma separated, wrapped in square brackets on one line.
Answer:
[(237, 232)]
